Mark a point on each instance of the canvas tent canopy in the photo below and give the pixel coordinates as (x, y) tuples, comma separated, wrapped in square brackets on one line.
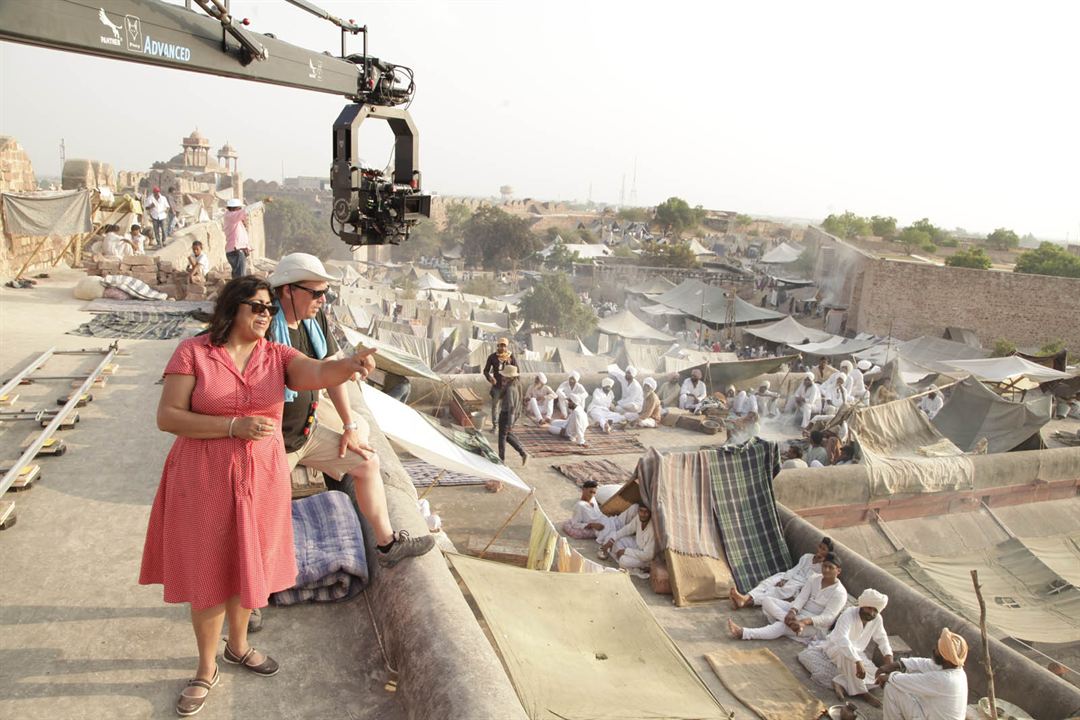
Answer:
[(662, 310), (627, 325), (1007, 370), (430, 282), (782, 254), (709, 303), (391, 358), (974, 411), (652, 286), (788, 332), (837, 346)]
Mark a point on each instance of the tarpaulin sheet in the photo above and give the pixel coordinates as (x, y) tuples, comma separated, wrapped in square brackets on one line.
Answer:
[(788, 332), (974, 411), (391, 359), (710, 303), (47, 213), (893, 439), (1006, 369), (1017, 584), (1060, 553), (409, 430), (782, 254), (762, 682), (565, 663)]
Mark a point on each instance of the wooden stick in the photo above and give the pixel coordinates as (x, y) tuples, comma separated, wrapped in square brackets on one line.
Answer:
[(986, 645), (507, 522), (432, 486)]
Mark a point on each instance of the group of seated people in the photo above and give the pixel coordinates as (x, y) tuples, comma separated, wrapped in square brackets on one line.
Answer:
[(824, 390), (628, 538), (825, 449), (115, 244), (808, 604), (570, 410)]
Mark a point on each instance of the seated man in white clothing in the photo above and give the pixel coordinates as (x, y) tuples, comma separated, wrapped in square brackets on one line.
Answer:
[(745, 404), (809, 616), (803, 401), (841, 660), (785, 585), (651, 412), (924, 688), (540, 400), (589, 521), (600, 407), (767, 399), (932, 403), (633, 545), (571, 388), (692, 392), (633, 395), (573, 427)]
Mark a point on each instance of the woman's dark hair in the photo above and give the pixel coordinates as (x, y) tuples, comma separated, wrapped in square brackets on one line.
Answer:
[(827, 542), (832, 559), (228, 303)]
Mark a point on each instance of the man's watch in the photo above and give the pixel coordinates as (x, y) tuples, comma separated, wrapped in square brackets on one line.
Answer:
[(351, 425)]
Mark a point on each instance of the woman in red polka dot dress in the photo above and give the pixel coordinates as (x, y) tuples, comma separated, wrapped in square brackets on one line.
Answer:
[(220, 532)]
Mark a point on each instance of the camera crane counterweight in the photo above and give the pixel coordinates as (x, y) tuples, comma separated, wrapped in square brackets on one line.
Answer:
[(369, 207)]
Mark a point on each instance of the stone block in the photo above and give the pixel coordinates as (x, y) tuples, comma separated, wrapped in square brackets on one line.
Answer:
[(110, 265), (139, 261), (165, 266)]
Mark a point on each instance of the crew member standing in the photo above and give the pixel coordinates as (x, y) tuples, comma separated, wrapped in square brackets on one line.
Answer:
[(493, 372), (237, 242)]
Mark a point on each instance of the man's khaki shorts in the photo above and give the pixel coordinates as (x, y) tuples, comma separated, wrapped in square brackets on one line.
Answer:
[(321, 452)]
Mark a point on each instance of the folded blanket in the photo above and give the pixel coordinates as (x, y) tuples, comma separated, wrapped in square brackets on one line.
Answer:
[(330, 558)]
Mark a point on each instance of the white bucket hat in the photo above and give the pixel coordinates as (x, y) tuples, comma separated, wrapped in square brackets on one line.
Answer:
[(298, 267), (234, 203)]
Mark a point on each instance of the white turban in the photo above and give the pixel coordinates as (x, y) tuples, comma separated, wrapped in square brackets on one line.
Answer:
[(650, 383), (809, 376), (541, 378), (872, 598), (865, 365), (631, 371), (607, 382), (846, 365), (575, 374), (764, 384)]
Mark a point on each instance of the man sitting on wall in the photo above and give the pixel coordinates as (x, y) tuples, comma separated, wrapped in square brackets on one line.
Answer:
[(785, 585), (924, 688)]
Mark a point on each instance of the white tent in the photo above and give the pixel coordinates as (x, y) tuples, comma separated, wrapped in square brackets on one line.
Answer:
[(782, 254), (698, 249), (430, 282), (788, 331), (408, 429), (1006, 369), (627, 325)]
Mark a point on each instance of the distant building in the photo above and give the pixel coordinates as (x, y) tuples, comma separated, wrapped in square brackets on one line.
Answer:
[(306, 182)]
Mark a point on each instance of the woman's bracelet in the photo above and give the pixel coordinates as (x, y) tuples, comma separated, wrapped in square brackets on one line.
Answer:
[(231, 423)]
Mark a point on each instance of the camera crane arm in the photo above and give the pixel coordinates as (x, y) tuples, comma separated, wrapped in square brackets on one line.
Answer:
[(368, 208)]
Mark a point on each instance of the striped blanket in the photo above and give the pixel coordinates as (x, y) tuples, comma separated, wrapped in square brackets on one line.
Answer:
[(604, 472), (541, 443), (330, 558), (741, 477), (677, 488), (423, 474), (138, 325)]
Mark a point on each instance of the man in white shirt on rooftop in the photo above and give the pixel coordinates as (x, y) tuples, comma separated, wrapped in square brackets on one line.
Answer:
[(692, 392), (927, 689), (157, 205), (808, 616), (785, 585), (633, 395)]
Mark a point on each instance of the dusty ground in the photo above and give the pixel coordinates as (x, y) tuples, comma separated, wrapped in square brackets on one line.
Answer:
[(80, 637)]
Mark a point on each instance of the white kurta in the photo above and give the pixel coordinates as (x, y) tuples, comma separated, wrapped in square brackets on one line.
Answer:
[(639, 551), (744, 404), (925, 691), (691, 395), (832, 392), (633, 395), (579, 394), (575, 426), (931, 405), (846, 646), (820, 604), (586, 513), (855, 387), (600, 412), (810, 396), (539, 402), (786, 585)]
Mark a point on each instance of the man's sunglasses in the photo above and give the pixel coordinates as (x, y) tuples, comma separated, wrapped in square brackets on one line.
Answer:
[(260, 308), (315, 294)]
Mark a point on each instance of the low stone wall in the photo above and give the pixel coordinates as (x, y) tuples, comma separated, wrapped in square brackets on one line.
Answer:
[(919, 621)]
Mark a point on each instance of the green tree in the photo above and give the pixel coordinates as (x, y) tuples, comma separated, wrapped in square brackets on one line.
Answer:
[(554, 306), (672, 254), (805, 263), (883, 227), (424, 240), (496, 240), (938, 236), (974, 257), (1049, 259), (292, 227), (633, 214), (457, 215), (481, 285), (743, 220), (676, 216), (561, 258), (1003, 239), (1003, 348), (848, 225), (913, 239)]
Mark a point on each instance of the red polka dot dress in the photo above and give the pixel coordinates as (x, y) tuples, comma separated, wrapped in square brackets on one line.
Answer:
[(221, 521)]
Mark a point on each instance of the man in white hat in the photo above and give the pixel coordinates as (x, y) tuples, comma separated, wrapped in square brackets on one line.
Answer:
[(932, 403), (651, 411), (571, 388), (766, 399), (803, 401), (633, 395), (927, 688), (692, 393), (350, 464), (600, 407), (573, 427), (237, 242), (540, 400), (854, 386), (841, 660)]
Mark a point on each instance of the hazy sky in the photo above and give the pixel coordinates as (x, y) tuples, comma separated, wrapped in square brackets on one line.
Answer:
[(965, 112)]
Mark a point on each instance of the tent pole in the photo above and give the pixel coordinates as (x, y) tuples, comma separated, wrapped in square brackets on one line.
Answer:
[(506, 522), (432, 486)]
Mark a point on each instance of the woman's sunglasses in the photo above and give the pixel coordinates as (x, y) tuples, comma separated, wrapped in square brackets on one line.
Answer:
[(260, 308)]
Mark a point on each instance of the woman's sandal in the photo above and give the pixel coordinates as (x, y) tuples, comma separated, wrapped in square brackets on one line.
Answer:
[(266, 668), (190, 704)]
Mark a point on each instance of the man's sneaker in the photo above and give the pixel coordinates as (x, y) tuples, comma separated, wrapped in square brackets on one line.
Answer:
[(405, 547)]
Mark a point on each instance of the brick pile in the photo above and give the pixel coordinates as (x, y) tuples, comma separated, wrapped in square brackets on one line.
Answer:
[(161, 275)]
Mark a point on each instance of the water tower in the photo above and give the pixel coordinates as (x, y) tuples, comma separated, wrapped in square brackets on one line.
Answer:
[(507, 193)]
